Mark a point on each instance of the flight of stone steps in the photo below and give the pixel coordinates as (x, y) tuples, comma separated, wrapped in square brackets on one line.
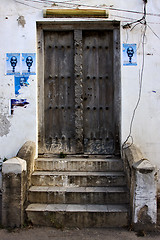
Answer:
[(78, 191)]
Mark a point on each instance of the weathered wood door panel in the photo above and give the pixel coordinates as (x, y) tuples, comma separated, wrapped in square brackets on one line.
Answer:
[(79, 92), (98, 91), (59, 92)]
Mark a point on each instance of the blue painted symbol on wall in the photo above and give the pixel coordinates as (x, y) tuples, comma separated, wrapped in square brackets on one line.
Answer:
[(129, 54)]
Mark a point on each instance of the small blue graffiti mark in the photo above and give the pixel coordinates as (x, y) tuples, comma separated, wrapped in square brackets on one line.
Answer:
[(154, 91), (18, 103), (20, 81)]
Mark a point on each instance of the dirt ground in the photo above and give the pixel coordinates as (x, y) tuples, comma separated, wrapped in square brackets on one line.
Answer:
[(45, 233)]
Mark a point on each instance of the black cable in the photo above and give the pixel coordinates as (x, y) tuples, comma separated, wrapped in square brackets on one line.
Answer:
[(128, 25), (47, 2), (41, 2), (135, 25), (153, 31), (140, 87), (27, 5), (118, 16), (141, 20), (139, 95), (94, 6)]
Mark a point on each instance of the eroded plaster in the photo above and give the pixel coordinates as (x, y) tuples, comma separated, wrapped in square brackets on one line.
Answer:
[(145, 197), (21, 21), (4, 126)]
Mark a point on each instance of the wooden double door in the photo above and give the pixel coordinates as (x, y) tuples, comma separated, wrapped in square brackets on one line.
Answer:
[(79, 92)]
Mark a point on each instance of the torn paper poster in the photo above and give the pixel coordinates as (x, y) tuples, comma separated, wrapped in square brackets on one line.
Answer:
[(20, 81), (129, 54), (12, 63), (18, 103), (29, 63)]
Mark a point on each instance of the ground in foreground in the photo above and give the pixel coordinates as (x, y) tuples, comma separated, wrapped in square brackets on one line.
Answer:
[(48, 233)]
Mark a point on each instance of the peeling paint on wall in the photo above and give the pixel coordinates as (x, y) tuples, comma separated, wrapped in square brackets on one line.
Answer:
[(4, 126), (20, 81), (18, 103), (143, 216), (145, 197), (21, 21)]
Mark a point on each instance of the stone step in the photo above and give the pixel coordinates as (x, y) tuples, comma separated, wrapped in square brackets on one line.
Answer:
[(79, 164), (78, 179), (76, 215), (78, 156), (78, 195)]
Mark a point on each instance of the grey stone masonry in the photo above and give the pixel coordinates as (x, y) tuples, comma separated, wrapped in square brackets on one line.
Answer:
[(28, 152), (78, 179), (90, 164), (78, 195), (142, 181), (78, 215), (84, 191), (14, 179)]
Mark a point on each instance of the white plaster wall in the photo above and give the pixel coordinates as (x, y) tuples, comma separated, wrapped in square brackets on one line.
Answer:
[(17, 39), (145, 195), (22, 125)]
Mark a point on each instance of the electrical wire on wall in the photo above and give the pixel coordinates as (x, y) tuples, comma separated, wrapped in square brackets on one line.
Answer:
[(77, 4), (128, 25), (153, 31), (71, 4), (131, 25)]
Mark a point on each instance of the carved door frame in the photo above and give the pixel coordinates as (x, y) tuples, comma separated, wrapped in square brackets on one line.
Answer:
[(77, 27)]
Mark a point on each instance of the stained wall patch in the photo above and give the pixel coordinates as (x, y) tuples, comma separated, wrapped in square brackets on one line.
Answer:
[(4, 126)]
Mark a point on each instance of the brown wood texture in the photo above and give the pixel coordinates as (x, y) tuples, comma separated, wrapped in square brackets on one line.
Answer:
[(79, 87), (59, 92), (98, 92)]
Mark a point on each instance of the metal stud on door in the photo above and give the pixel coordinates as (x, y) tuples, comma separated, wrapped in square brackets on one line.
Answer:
[(79, 92), (59, 92), (98, 92)]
